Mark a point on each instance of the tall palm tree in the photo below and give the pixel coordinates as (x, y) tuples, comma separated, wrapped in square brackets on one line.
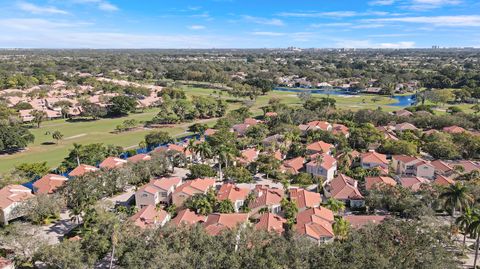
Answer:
[(457, 196), (464, 221), (192, 147), (474, 229), (224, 154), (204, 150), (77, 149)]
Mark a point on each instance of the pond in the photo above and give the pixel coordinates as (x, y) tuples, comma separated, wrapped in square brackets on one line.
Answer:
[(403, 100)]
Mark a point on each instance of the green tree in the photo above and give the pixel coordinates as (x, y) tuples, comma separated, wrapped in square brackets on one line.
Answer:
[(201, 171), (341, 228), (457, 196), (154, 139), (335, 205), (57, 135), (31, 170), (121, 105), (464, 221), (38, 117), (225, 207)]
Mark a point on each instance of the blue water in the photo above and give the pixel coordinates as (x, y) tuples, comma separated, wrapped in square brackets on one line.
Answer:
[(402, 101)]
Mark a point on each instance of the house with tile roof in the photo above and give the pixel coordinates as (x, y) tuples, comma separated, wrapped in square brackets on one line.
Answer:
[(454, 129), (345, 189), (11, 197), (315, 125), (190, 188), (248, 155), (413, 183), (304, 199), (405, 126), (293, 166), (443, 181), (81, 170), (316, 224), (341, 129), (157, 191), (442, 168), (150, 217), (187, 217), (373, 159), (376, 182), (359, 221), (326, 169), (320, 147), (404, 165), (216, 223), (233, 193), (139, 158), (271, 222), (112, 163), (266, 198), (48, 184)]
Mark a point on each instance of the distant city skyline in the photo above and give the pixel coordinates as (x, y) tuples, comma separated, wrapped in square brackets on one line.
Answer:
[(239, 24)]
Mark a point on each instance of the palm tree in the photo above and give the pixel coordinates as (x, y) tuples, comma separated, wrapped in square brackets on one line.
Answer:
[(77, 149), (224, 154), (464, 221), (204, 150), (457, 196), (474, 230), (192, 148), (341, 227), (335, 205)]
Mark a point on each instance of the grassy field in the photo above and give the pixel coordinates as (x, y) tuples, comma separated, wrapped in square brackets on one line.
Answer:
[(44, 148)]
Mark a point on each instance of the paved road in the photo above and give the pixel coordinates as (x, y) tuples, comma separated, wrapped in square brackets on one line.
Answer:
[(54, 232)]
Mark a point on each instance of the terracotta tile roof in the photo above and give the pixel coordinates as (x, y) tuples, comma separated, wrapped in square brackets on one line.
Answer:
[(443, 181), (139, 157), (179, 148), (413, 183), (320, 146), (340, 129), (315, 222), (468, 166), (374, 157), (295, 164), (210, 132), (403, 113), (271, 222), (82, 169), (405, 126), (454, 129), (266, 196), (327, 161), (11, 194), (358, 221), (372, 182), (304, 199), (248, 155), (322, 125), (404, 158), (192, 187), (216, 222), (149, 216), (156, 185), (344, 188), (48, 183), (187, 217), (112, 162), (251, 121), (442, 166), (231, 192)]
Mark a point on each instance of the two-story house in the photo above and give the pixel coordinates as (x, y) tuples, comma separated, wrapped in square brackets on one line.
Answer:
[(157, 191)]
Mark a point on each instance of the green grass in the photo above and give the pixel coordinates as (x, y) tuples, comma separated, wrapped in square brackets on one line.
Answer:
[(100, 131)]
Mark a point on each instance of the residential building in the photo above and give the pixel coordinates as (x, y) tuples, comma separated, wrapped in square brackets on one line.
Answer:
[(345, 189), (271, 222), (316, 224), (320, 147), (375, 182), (81, 170), (443, 181), (305, 199), (413, 183), (266, 198), (48, 184), (190, 188), (11, 197), (216, 223), (294, 166), (139, 158), (326, 169), (358, 221), (157, 191), (404, 165), (150, 217), (374, 159), (233, 193), (187, 217), (112, 163)]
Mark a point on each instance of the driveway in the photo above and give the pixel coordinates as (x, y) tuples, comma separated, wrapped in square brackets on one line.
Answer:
[(54, 232)]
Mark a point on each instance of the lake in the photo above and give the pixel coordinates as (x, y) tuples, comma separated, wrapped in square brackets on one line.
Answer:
[(402, 101)]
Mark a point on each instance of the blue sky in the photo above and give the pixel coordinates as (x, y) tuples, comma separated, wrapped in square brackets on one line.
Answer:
[(239, 23)]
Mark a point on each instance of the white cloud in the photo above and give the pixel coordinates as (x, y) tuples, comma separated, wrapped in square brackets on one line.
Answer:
[(101, 4), (196, 27), (268, 33), (265, 21), (381, 2), (431, 4), (448, 21), (333, 24), (35, 24), (29, 7), (333, 14), (369, 44)]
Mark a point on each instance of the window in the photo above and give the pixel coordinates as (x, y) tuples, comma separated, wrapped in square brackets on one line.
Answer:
[(164, 194)]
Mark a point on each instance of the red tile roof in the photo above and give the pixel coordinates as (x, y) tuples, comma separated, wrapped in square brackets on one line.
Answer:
[(344, 188), (271, 222), (139, 157), (210, 132), (374, 157), (197, 185), (454, 129), (112, 162), (49, 183), (149, 216), (372, 182), (11, 194), (216, 223), (315, 222), (266, 196), (320, 146), (413, 183), (442, 166), (248, 155), (305, 199), (231, 192), (443, 181), (81, 170), (187, 217), (295, 164), (340, 129), (327, 161), (358, 221)]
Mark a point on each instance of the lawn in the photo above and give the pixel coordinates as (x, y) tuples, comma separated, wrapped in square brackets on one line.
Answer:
[(100, 131)]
